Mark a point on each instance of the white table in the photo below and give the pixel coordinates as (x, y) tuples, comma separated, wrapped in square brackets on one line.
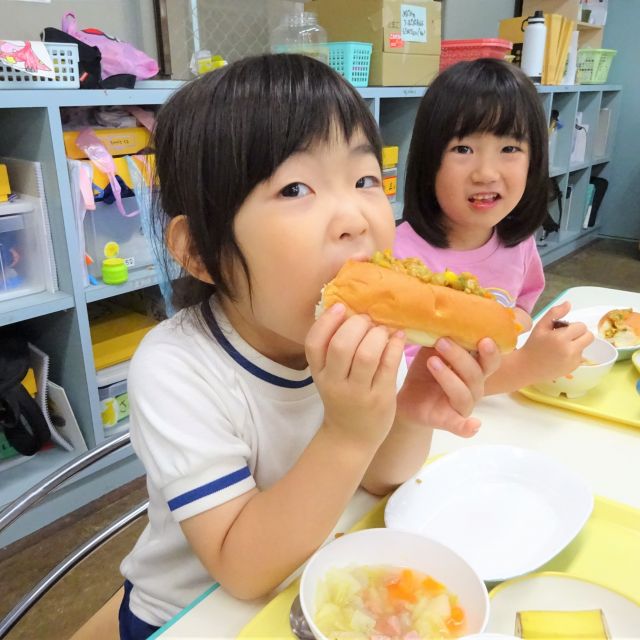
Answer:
[(604, 453)]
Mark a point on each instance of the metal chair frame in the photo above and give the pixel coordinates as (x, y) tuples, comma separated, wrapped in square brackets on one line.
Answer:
[(31, 497)]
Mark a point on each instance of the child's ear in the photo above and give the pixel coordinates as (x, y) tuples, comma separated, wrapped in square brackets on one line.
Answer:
[(180, 245)]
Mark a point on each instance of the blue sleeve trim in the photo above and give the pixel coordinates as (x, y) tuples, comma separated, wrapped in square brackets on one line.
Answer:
[(207, 489)]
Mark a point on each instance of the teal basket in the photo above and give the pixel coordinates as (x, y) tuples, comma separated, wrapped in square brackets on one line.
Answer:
[(351, 60), (593, 65)]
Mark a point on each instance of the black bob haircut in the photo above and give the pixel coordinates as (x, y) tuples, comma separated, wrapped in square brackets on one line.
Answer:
[(222, 134), (486, 96)]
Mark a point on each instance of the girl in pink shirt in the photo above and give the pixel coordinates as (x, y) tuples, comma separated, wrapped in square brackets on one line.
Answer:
[(475, 193)]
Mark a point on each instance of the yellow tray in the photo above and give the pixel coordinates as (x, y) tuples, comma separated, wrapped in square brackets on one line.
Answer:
[(615, 398), (606, 551)]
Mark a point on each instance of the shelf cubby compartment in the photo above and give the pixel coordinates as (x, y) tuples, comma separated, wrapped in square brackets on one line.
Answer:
[(566, 104)]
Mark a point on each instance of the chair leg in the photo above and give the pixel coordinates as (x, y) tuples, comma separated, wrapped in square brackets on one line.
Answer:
[(104, 623)]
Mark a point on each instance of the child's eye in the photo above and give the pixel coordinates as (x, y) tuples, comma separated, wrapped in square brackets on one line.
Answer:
[(462, 148), (511, 148), (366, 182), (295, 190)]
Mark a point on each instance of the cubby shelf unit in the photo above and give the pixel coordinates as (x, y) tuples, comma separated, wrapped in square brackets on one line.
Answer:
[(31, 129)]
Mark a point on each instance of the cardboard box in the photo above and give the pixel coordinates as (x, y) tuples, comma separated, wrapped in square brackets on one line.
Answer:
[(391, 26), (391, 70), (511, 29)]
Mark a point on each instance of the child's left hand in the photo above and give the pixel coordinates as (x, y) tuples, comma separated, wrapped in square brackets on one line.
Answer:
[(444, 384)]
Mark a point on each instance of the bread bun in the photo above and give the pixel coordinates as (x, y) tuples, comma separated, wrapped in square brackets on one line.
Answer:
[(425, 312), (620, 327)]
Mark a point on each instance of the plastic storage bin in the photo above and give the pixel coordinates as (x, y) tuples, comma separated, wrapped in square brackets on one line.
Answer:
[(118, 142), (453, 51), (351, 60), (593, 65), (112, 391), (22, 256), (106, 224), (65, 66)]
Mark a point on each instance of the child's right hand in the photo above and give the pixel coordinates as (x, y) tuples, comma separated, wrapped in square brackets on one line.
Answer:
[(355, 366), (551, 353)]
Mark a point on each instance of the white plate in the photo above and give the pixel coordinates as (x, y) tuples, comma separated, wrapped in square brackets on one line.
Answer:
[(591, 316), (554, 591), (504, 509)]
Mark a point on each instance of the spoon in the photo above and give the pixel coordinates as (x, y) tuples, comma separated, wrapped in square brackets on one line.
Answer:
[(297, 621)]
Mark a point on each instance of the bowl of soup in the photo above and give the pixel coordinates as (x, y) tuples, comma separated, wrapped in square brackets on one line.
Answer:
[(381, 582), (597, 360)]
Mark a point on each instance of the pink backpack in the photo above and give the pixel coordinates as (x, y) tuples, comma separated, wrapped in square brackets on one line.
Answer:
[(117, 57)]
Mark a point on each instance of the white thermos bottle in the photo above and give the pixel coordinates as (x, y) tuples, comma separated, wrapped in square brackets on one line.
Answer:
[(535, 36)]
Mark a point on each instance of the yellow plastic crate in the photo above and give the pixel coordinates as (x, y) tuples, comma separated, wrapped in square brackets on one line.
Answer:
[(117, 335), (119, 142)]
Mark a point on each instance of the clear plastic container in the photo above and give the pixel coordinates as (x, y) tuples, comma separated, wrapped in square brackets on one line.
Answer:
[(106, 224), (112, 391), (301, 33), (22, 251)]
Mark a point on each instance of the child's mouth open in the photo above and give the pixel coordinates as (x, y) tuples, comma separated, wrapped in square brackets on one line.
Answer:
[(484, 200)]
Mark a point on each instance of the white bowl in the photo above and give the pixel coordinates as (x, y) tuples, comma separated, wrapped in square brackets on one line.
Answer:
[(397, 549), (586, 376)]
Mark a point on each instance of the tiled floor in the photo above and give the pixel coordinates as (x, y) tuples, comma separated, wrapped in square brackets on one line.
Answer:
[(608, 263), (605, 263)]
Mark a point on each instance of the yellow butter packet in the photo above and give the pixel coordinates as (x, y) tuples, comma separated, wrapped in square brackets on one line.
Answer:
[(562, 625)]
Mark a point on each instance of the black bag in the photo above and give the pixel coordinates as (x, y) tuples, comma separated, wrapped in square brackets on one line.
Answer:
[(555, 193), (20, 417), (90, 66)]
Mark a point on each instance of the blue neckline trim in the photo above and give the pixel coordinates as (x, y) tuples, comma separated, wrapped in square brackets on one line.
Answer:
[(242, 361)]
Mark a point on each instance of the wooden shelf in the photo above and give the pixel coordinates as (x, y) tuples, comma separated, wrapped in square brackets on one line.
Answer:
[(585, 26)]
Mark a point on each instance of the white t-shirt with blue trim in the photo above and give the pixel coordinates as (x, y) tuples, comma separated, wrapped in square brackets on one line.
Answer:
[(210, 419)]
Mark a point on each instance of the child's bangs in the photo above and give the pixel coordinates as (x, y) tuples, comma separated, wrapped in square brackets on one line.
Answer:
[(502, 113)]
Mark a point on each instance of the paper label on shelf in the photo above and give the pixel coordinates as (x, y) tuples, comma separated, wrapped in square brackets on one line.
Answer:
[(390, 185), (413, 23), (396, 41)]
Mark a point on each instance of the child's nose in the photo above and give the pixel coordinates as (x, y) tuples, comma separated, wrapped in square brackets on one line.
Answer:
[(485, 170), (350, 219)]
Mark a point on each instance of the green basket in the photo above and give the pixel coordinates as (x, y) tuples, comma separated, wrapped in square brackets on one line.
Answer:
[(351, 60), (593, 65)]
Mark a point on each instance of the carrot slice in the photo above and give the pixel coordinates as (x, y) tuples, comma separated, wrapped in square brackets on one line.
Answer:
[(432, 587), (456, 620)]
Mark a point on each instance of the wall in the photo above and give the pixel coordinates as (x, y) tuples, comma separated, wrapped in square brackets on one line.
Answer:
[(128, 20), (621, 205), (474, 18)]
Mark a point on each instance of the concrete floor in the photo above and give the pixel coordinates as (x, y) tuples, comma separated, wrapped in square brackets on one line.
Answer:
[(606, 263)]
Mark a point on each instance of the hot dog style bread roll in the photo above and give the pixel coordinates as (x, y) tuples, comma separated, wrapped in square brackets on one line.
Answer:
[(405, 294)]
